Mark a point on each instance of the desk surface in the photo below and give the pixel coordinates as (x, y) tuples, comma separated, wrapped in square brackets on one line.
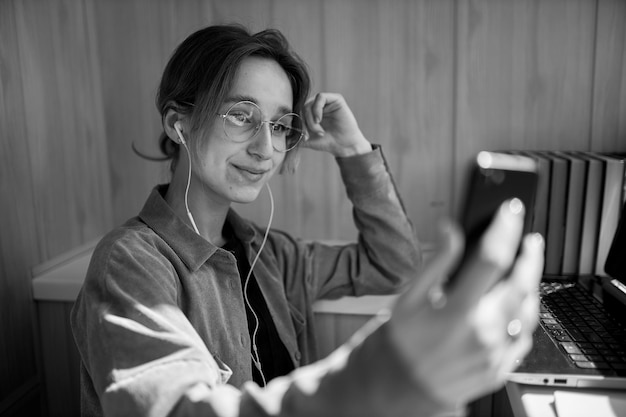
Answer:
[(538, 401)]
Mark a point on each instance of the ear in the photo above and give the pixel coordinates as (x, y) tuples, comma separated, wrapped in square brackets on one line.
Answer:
[(171, 121)]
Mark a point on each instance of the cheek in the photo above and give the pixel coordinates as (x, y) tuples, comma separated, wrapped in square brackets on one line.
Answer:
[(277, 159), (214, 152)]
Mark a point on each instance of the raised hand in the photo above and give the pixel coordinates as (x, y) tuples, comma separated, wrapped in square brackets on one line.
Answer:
[(332, 127)]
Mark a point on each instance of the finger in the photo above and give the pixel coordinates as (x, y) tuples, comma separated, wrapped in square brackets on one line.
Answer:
[(528, 316), (515, 354), (318, 107), (440, 266), (314, 110), (529, 312), (526, 273), (528, 268), (492, 257)]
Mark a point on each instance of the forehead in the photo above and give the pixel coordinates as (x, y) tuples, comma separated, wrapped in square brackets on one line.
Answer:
[(264, 82)]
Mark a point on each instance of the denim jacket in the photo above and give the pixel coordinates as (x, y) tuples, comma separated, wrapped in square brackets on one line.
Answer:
[(160, 322)]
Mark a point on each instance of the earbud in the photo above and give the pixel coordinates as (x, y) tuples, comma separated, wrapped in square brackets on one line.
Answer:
[(179, 132)]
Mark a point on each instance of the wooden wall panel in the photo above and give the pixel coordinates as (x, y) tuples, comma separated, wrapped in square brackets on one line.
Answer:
[(415, 109), (394, 63), (609, 94), (525, 76), (65, 125), (18, 237)]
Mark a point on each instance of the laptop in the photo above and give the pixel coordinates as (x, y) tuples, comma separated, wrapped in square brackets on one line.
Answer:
[(581, 337)]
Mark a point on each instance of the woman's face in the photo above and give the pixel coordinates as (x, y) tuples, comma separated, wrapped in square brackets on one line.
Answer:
[(236, 172)]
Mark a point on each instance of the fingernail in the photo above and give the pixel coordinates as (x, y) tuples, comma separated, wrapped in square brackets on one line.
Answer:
[(537, 240), (516, 206)]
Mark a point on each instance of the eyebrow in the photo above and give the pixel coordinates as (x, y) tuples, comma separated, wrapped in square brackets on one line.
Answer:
[(282, 110)]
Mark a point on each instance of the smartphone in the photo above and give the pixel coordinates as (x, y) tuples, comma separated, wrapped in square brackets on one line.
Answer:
[(495, 177)]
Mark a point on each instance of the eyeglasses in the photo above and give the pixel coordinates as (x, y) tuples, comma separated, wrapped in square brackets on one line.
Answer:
[(243, 120)]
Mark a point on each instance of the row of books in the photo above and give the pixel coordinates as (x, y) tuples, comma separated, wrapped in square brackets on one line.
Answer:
[(577, 208)]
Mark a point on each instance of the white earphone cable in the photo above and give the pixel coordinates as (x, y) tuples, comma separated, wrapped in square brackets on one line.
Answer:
[(193, 223), (255, 354)]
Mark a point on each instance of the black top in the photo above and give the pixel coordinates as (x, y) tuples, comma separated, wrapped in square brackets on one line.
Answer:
[(273, 355)]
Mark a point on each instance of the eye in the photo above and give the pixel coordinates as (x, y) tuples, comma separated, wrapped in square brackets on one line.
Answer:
[(281, 129), (239, 118)]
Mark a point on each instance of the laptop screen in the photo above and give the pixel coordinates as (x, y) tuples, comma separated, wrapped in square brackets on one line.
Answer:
[(615, 265)]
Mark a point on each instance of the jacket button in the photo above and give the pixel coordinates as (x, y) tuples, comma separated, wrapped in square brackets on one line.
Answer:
[(298, 356)]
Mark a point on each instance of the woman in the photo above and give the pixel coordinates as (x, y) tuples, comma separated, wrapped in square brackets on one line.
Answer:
[(188, 308)]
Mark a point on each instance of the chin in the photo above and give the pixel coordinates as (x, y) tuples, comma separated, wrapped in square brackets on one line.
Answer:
[(245, 196)]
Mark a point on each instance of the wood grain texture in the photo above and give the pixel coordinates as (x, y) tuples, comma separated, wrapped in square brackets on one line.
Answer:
[(65, 128), (19, 246), (609, 95), (416, 107), (525, 76)]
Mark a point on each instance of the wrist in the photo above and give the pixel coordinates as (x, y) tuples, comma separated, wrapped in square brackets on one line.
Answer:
[(358, 148)]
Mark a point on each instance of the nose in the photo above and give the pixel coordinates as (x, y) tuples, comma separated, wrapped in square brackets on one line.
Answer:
[(261, 144)]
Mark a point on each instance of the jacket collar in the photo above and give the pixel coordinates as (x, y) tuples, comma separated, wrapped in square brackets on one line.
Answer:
[(192, 249)]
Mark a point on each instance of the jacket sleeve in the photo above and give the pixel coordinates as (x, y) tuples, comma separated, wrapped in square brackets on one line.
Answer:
[(364, 377), (385, 256)]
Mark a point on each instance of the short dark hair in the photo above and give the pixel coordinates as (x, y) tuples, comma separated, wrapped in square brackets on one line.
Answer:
[(202, 70)]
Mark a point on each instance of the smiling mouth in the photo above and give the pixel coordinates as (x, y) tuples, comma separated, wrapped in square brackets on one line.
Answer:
[(251, 173)]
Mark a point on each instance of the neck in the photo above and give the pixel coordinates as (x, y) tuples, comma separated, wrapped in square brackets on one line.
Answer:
[(209, 216)]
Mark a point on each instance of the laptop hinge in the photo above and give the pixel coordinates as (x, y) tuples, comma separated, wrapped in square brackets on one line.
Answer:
[(618, 285), (614, 296)]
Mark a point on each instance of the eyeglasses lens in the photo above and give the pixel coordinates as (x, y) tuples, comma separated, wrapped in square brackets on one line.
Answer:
[(244, 120)]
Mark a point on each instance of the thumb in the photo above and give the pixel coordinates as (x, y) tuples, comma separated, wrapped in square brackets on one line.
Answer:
[(438, 268)]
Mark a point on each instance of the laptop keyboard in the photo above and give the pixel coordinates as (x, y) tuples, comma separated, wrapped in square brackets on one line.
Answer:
[(590, 336)]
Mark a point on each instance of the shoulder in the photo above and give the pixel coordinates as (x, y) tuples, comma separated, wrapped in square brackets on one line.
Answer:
[(129, 240), (128, 252)]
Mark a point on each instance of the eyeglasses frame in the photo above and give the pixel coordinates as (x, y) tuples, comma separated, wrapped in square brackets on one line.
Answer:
[(257, 128)]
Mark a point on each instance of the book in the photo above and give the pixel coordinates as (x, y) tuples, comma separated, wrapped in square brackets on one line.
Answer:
[(592, 206), (611, 205), (540, 211), (615, 265), (620, 155), (577, 172), (557, 198)]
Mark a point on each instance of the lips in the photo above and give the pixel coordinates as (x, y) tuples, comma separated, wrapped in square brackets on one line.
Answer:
[(252, 173)]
